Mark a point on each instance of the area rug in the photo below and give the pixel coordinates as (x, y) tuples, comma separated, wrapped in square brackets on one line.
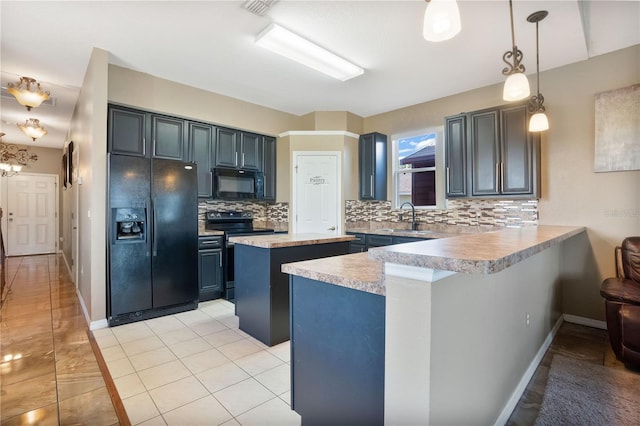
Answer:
[(581, 393)]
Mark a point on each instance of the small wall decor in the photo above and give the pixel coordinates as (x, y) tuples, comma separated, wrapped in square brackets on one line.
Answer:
[(70, 162), (65, 168), (617, 133)]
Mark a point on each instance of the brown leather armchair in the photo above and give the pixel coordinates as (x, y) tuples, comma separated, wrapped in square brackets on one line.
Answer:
[(622, 303)]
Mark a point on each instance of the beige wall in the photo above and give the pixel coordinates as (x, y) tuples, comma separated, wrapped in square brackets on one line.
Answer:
[(151, 93), (332, 120), (89, 134), (608, 204)]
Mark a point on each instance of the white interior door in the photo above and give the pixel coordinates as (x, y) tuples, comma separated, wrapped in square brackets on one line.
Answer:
[(316, 202), (32, 214)]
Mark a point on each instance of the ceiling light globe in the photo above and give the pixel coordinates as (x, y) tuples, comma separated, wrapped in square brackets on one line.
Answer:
[(516, 87), (538, 122), (441, 20)]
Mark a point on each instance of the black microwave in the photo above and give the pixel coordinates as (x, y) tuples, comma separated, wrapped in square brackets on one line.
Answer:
[(237, 184)]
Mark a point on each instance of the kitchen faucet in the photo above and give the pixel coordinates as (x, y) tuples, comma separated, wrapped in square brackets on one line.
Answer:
[(414, 224)]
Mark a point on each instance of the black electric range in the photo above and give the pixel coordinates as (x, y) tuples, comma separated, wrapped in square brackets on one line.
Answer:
[(232, 223)]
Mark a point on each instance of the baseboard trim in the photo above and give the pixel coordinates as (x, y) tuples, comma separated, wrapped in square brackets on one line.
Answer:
[(66, 263), (95, 325), (589, 322), (83, 306), (528, 374)]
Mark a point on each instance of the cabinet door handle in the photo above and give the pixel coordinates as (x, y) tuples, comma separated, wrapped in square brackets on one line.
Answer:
[(221, 260), (498, 177), (371, 181), (448, 184), (243, 159), (501, 176)]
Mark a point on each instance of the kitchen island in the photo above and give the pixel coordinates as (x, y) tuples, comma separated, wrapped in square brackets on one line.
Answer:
[(466, 322), (262, 289)]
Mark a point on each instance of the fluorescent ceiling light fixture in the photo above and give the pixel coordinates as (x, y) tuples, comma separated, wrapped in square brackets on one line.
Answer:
[(283, 42)]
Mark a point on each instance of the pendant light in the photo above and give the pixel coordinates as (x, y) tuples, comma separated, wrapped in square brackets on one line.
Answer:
[(441, 20), (516, 86), (538, 121)]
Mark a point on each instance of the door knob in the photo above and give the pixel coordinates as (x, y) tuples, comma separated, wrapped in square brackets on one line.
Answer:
[(333, 228)]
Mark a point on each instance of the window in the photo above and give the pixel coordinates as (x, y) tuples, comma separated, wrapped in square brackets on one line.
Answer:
[(415, 169)]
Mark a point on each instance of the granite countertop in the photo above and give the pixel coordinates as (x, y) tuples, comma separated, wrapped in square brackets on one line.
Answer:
[(483, 253), (272, 241), (357, 271)]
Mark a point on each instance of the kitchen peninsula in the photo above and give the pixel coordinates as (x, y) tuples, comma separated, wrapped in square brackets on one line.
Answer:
[(465, 322), (262, 289)]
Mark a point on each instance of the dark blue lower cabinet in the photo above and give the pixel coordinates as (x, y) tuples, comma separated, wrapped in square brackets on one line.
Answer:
[(337, 354), (262, 289)]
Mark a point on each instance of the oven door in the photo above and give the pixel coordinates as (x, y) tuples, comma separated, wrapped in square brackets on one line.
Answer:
[(233, 184)]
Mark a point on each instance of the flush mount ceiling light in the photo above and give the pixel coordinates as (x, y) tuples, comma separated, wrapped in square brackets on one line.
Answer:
[(441, 20), (539, 121), (28, 93), (516, 86), (283, 42), (32, 128)]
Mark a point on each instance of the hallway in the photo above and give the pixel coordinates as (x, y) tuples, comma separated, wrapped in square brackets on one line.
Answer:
[(48, 372)]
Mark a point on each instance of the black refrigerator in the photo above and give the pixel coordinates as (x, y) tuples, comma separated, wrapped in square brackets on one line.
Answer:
[(152, 238)]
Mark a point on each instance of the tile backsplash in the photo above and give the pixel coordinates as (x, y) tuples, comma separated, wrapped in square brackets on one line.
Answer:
[(461, 212), (274, 215)]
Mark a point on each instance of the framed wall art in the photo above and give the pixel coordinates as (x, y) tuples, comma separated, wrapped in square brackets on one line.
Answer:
[(617, 132)]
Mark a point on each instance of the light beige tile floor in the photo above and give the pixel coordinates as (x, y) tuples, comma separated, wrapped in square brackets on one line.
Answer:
[(198, 368)]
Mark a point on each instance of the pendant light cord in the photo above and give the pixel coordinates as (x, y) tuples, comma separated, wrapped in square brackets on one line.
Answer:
[(537, 60), (513, 35)]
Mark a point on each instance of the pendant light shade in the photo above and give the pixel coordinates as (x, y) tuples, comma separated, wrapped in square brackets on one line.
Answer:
[(32, 128), (28, 93), (441, 20), (538, 121), (516, 86)]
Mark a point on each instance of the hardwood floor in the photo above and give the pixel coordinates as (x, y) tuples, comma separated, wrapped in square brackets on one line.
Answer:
[(49, 374)]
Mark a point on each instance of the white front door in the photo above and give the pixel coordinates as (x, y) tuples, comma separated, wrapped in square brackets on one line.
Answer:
[(31, 215), (316, 202)]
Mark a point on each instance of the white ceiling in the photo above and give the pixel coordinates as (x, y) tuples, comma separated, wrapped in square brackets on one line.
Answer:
[(210, 45)]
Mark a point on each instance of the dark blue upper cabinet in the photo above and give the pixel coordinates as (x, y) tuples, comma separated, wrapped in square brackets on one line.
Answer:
[(168, 138), (126, 134), (372, 156)]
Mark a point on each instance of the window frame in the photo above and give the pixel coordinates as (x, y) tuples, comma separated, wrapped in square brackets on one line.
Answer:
[(438, 168)]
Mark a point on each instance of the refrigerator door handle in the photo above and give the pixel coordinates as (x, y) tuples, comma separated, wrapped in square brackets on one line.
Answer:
[(154, 240)]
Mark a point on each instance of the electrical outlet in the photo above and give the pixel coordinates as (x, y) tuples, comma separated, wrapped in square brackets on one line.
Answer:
[(527, 319)]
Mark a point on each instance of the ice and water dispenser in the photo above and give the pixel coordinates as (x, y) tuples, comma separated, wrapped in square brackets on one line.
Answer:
[(129, 224)]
